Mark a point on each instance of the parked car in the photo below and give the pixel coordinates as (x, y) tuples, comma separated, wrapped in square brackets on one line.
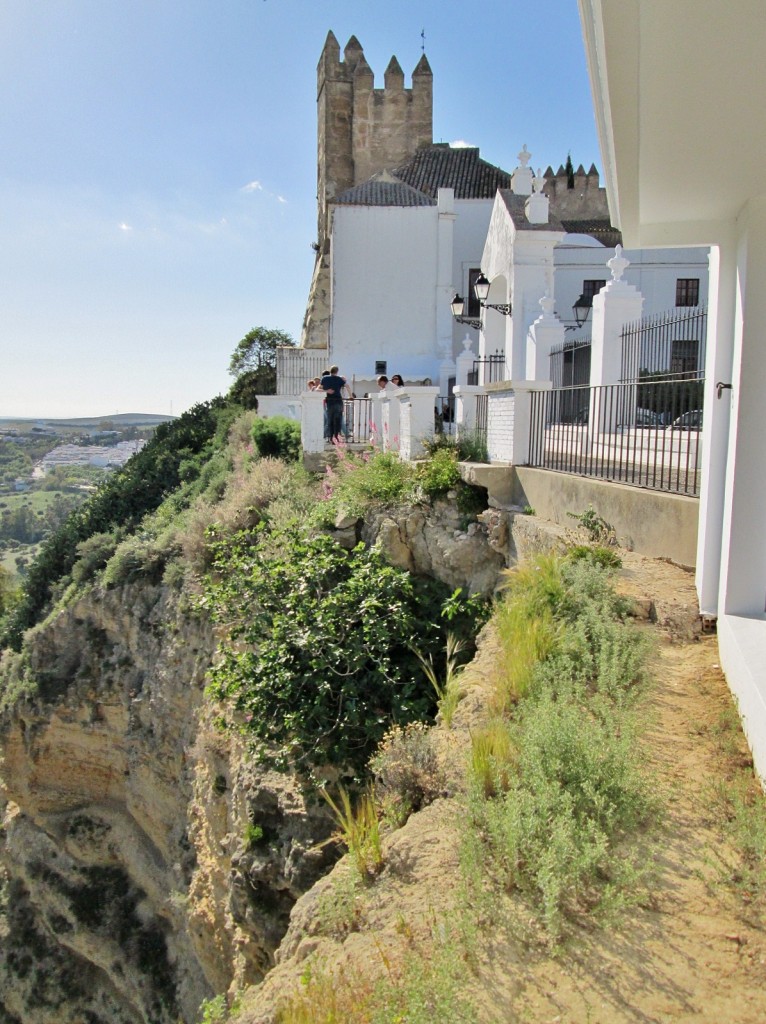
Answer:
[(647, 418), (691, 420)]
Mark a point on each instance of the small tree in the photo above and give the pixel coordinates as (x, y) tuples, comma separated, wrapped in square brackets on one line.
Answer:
[(257, 354)]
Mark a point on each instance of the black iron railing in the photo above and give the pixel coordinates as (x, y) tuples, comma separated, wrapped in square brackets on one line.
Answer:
[(444, 421), (570, 363), (482, 417), (488, 369), (605, 432), (669, 345)]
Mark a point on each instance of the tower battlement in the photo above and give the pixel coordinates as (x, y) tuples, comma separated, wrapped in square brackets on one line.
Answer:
[(362, 130)]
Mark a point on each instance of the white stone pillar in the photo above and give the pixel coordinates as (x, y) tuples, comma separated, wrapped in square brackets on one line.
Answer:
[(390, 418), (509, 419), (416, 419), (719, 351), (617, 304), (312, 421), (465, 407), (546, 332), (444, 260), (376, 418)]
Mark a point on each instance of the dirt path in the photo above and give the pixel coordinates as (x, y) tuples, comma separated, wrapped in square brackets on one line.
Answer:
[(696, 949)]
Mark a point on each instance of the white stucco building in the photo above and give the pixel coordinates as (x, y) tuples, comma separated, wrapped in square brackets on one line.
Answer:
[(678, 91)]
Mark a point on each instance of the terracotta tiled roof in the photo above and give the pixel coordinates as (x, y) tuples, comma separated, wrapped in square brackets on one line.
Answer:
[(462, 169), (601, 230), (515, 205), (383, 193)]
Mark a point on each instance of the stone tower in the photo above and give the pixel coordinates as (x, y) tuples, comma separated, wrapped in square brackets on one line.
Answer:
[(361, 130)]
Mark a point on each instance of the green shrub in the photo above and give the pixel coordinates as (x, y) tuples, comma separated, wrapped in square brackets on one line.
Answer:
[(278, 437), (440, 473), (554, 825), (406, 770), (315, 655), (93, 554), (362, 482)]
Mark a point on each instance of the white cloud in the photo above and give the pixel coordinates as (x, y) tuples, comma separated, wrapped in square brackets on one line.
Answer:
[(462, 144), (281, 199), (125, 227), (252, 186)]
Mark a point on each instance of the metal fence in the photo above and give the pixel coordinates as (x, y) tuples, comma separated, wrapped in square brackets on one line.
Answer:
[(357, 420), (488, 369), (445, 414), (570, 363), (482, 416), (296, 366), (604, 432), (669, 345)]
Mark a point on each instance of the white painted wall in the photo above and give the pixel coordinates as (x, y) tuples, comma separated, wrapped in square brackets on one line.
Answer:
[(653, 272), (384, 266)]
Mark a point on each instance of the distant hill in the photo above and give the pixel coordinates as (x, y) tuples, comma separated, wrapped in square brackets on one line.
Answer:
[(118, 420)]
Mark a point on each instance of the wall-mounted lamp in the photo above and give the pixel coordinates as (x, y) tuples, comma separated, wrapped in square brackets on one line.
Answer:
[(481, 291), (582, 308)]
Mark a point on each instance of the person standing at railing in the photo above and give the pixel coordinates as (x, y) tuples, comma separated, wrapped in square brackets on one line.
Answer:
[(332, 384)]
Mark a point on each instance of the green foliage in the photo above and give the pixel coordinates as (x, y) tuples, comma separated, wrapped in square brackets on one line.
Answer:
[(253, 835), (607, 558), (359, 483), (440, 473), (447, 690), (358, 828), (246, 388), (93, 554), (256, 354), (469, 447), (316, 656), (493, 757), (278, 437)]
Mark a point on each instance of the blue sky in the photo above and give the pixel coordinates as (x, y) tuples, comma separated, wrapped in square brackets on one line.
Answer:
[(158, 171)]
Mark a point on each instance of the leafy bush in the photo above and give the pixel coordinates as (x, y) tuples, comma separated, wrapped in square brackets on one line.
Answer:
[(358, 829), (316, 655), (93, 554), (278, 437)]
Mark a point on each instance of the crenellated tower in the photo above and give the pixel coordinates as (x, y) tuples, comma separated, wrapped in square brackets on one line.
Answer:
[(360, 129)]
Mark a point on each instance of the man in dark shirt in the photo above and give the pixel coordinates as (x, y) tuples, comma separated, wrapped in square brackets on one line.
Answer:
[(333, 385)]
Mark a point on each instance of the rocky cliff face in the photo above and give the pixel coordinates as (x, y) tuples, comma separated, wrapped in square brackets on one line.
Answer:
[(149, 865), (134, 890)]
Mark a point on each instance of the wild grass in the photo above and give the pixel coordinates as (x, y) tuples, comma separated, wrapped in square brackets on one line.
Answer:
[(559, 782), (358, 828), (448, 692), (421, 983)]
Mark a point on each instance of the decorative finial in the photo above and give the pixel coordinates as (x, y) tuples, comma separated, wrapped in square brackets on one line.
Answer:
[(547, 304), (539, 181), (423, 38), (467, 342), (524, 156), (618, 264)]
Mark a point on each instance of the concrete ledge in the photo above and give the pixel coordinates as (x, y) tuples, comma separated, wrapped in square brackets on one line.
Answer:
[(742, 642), (496, 478), (653, 523)]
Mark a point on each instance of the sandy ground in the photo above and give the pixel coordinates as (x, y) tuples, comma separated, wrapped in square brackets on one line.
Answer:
[(696, 948)]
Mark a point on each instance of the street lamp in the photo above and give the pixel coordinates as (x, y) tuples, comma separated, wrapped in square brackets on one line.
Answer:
[(481, 291), (582, 308)]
